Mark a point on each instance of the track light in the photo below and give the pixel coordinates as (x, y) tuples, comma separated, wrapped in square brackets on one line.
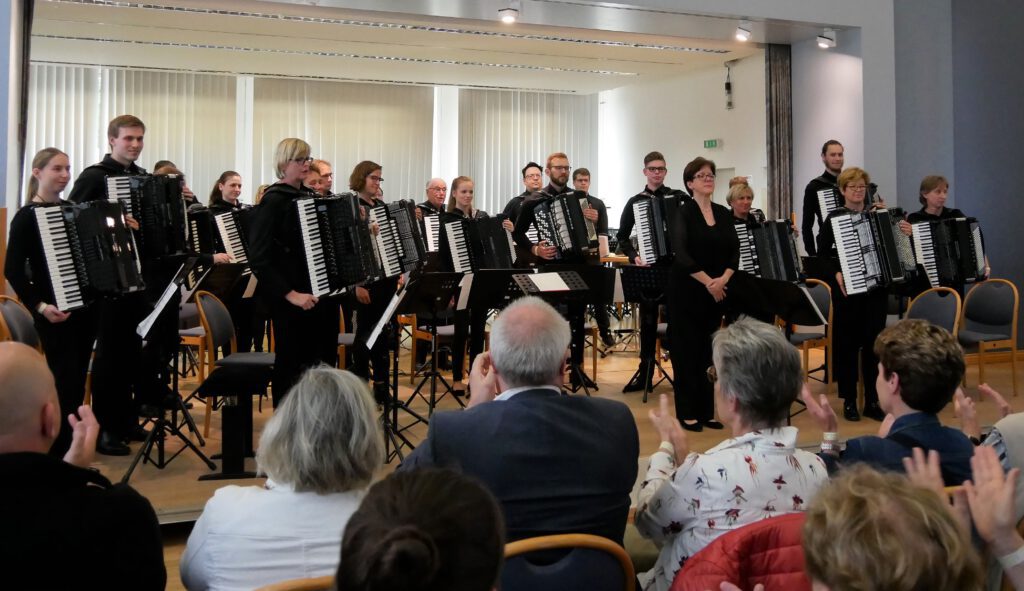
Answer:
[(743, 31), (827, 39), (510, 13)]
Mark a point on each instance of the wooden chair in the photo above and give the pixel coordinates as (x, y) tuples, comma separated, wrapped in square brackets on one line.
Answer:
[(345, 339), (325, 583), (594, 563), (805, 341), (939, 306), (989, 323), (16, 324)]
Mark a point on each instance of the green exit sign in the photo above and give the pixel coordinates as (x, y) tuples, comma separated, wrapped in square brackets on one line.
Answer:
[(710, 144)]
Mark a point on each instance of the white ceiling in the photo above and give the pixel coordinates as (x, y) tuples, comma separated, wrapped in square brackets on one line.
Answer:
[(447, 42)]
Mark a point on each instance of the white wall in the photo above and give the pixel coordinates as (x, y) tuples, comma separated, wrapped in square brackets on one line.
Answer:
[(674, 116)]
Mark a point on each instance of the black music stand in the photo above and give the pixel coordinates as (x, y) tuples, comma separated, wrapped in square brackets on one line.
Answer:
[(600, 282), (427, 296), (574, 291), (646, 286), (758, 296)]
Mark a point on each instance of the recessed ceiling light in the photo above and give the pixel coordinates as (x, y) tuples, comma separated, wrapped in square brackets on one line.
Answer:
[(743, 31)]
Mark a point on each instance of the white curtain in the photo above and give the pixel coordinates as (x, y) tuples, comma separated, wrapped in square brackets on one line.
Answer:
[(500, 131), (346, 123), (190, 118)]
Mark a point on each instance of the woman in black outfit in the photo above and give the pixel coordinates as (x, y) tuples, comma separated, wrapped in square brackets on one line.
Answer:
[(706, 256), (468, 323), (67, 337), (857, 319), (305, 326)]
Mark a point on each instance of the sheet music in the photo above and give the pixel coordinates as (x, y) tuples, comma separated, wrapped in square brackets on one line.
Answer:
[(147, 323), (807, 295), (549, 282), (388, 313), (250, 288), (464, 288)]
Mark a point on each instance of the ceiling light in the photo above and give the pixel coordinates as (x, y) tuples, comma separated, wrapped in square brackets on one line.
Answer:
[(743, 31), (510, 13), (827, 39)]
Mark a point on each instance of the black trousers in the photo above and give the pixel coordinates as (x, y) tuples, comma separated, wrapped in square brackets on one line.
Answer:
[(469, 325), (857, 320), (366, 318), (68, 346), (694, 316), (118, 362), (601, 319), (302, 339), (648, 330)]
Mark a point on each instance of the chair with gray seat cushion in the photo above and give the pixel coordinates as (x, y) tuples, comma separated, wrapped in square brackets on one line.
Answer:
[(939, 306), (16, 323), (819, 336), (989, 323)]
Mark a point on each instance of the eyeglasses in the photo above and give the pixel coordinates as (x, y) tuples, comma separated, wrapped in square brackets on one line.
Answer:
[(857, 188), (563, 168), (657, 169), (704, 176), (712, 374), (535, 175), (376, 179), (441, 189), (328, 175), (306, 160)]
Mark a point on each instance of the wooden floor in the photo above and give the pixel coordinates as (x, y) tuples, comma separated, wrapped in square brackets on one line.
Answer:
[(178, 496)]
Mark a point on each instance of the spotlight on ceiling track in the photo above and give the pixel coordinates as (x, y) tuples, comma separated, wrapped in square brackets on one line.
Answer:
[(827, 39), (743, 31), (510, 13)]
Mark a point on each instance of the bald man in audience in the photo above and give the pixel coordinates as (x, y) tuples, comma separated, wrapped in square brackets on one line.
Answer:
[(64, 525)]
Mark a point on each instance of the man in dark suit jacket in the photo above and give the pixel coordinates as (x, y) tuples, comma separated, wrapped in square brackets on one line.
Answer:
[(557, 463), (64, 526)]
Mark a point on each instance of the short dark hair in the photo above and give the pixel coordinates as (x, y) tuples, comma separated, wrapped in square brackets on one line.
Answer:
[(530, 165), (929, 184), (580, 172), (162, 163), (427, 529), (694, 167), (927, 359), (115, 125), (824, 147), (357, 180), (652, 156)]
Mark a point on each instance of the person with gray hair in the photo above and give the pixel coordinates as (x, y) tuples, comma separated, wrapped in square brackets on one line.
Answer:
[(688, 499), (319, 452), (588, 446)]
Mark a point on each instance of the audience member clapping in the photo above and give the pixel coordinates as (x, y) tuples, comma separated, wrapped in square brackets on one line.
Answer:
[(689, 499), (424, 530), (319, 452)]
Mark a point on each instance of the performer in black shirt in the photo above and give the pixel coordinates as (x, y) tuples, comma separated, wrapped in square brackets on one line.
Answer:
[(597, 214), (832, 157), (858, 318), (67, 337), (655, 171), (706, 256), (434, 204), (305, 326), (532, 181)]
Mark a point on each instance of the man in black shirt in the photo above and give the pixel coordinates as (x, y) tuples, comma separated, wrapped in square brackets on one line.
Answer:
[(436, 191), (655, 171), (532, 180), (597, 217), (832, 158)]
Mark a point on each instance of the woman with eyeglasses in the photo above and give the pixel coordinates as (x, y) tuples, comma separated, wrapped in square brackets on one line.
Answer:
[(706, 256), (856, 319), (305, 326)]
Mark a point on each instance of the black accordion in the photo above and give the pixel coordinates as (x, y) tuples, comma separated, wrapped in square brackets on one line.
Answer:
[(89, 253), (466, 245), (653, 219), (232, 234), (873, 251), (951, 251), (398, 242), (337, 244), (828, 201), (767, 250), (201, 238), (431, 227), (559, 221), (157, 204)]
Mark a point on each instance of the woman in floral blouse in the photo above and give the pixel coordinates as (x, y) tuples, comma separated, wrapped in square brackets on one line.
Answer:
[(756, 474)]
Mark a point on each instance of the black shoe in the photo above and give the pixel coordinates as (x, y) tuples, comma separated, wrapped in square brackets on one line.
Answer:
[(714, 425), (695, 427), (874, 412), (459, 392), (607, 339), (637, 383), (850, 411), (109, 445), (137, 434), (381, 393)]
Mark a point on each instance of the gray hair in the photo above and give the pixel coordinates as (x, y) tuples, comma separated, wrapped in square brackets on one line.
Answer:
[(324, 437), (528, 343), (760, 368)]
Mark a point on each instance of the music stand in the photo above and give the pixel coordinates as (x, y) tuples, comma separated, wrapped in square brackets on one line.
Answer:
[(600, 282), (759, 296), (646, 286), (427, 296)]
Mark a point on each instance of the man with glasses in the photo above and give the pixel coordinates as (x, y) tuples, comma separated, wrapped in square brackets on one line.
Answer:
[(655, 171), (532, 181), (832, 158), (326, 172), (436, 190)]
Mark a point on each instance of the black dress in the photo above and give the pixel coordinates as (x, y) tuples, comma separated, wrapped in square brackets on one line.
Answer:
[(470, 324), (68, 345), (250, 314), (694, 313), (366, 318), (302, 338)]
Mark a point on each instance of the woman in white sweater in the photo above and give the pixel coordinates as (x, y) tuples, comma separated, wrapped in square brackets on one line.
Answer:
[(319, 452)]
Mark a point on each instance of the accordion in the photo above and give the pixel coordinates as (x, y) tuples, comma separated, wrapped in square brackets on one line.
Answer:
[(828, 201), (591, 228), (89, 253), (951, 251), (653, 218), (398, 242), (767, 250), (470, 245), (337, 244), (201, 238), (232, 234), (156, 203), (873, 251), (431, 231), (560, 222)]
